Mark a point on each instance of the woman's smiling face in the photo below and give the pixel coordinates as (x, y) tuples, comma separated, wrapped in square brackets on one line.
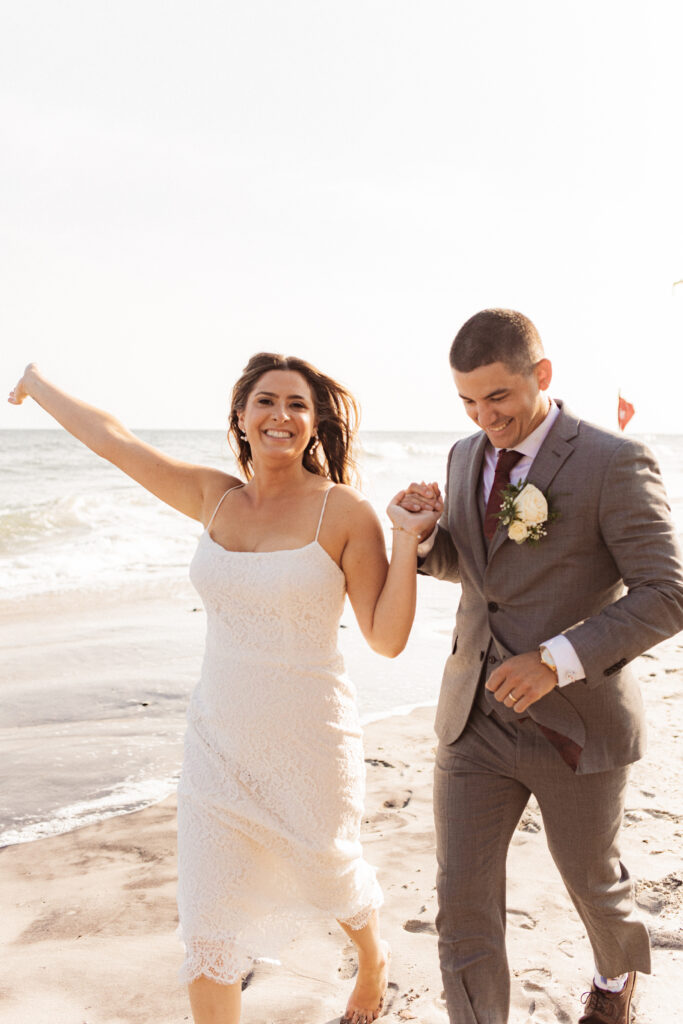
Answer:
[(279, 415)]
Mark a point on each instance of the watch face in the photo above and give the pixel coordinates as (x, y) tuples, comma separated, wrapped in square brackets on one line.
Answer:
[(547, 660)]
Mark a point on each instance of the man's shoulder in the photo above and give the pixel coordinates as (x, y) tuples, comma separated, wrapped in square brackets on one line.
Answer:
[(600, 439), (465, 449), (593, 433)]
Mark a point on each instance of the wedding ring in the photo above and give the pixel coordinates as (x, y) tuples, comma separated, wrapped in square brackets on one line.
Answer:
[(513, 697)]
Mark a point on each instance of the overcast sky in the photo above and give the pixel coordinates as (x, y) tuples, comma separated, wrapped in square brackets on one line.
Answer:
[(183, 184)]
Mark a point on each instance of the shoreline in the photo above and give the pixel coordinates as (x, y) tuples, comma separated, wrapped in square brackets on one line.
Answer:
[(90, 915), (95, 811), (94, 698)]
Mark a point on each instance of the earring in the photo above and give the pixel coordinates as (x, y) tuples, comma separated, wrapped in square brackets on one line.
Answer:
[(313, 443), (243, 436)]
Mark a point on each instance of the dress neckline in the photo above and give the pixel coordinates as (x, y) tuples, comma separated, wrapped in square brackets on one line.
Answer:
[(277, 551)]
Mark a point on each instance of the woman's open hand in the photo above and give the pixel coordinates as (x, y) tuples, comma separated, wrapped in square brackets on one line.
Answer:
[(20, 390)]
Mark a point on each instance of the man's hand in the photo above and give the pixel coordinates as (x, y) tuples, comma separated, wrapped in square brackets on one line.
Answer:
[(421, 497), (420, 520), (521, 681)]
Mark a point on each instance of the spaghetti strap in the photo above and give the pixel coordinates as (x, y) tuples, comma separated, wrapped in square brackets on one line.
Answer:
[(208, 525), (322, 513)]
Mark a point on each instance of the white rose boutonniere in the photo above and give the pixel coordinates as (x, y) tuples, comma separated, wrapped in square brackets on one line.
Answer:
[(532, 506), (525, 512), (518, 532)]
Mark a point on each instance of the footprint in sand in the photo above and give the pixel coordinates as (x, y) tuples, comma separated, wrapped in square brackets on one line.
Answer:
[(662, 939), (662, 894), (541, 999), (399, 800), (655, 812), (384, 821), (535, 974), (420, 926), (529, 822), (521, 919)]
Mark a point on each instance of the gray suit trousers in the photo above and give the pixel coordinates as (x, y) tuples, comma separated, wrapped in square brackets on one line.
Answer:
[(482, 784)]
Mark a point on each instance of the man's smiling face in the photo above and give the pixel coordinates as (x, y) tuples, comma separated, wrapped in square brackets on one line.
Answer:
[(508, 406)]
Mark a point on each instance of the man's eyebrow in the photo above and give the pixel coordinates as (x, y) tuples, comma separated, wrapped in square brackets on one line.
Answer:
[(492, 394)]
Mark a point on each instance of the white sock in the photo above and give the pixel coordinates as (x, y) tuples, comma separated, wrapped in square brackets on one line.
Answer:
[(610, 984)]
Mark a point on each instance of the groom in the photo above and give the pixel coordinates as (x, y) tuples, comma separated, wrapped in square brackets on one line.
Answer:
[(538, 696)]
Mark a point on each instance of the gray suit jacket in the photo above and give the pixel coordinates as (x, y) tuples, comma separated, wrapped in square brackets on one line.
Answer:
[(608, 575)]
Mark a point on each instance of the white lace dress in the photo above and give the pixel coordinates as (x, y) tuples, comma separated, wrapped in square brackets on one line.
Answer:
[(271, 792)]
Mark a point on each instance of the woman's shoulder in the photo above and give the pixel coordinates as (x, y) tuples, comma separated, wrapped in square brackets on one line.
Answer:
[(216, 486), (218, 482), (347, 505), (346, 497)]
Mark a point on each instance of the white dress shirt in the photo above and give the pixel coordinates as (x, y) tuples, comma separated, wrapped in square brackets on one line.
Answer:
[(567, 661)]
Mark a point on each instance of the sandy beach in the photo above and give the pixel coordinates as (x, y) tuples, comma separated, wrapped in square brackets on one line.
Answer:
[(89, 917)]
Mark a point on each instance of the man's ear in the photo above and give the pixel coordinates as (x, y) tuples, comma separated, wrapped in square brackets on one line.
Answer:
[(544, 373)]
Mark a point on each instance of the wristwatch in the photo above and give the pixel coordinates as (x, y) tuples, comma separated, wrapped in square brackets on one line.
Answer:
[(547, 659)]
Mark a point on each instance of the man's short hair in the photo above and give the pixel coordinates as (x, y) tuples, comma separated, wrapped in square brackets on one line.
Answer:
[(497, 336)]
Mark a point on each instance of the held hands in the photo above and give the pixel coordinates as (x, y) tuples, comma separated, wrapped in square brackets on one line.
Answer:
[(521, 681), (416, 512), (418, 497), (20, 390)]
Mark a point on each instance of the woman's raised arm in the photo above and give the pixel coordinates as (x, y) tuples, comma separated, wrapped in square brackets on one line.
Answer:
[(188, 488)]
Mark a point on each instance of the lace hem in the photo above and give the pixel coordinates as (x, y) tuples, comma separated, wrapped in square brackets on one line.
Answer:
[(361, 919), (228, 960), (218, 960)]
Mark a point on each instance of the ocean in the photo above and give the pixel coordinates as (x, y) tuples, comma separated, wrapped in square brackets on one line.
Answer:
[(101, 633), (70, 521)]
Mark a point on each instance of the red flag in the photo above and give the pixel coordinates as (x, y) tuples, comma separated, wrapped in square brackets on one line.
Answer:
[(626, 412)]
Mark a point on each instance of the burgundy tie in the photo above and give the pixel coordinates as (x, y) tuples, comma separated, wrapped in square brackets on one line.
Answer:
[(569, 750), (507, 460)]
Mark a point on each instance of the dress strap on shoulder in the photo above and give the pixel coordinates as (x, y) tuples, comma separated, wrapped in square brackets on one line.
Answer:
[(235, 488), (322, 511)]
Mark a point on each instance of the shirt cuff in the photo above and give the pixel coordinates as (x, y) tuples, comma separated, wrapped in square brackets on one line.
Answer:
[(567, 661), (426, 546)]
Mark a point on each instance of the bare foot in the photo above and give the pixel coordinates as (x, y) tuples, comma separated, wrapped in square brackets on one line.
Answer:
[(367, 999)]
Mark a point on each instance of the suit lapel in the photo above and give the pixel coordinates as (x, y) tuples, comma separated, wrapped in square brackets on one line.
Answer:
[(471, 497), (552, 455), (554, 451)]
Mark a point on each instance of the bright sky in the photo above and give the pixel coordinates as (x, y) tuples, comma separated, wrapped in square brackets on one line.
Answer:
[(184, 184)]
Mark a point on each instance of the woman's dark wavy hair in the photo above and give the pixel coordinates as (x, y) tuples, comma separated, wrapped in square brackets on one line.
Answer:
[(336, 410)]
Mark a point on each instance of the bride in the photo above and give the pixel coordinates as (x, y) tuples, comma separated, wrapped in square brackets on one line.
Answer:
[(271, 792)]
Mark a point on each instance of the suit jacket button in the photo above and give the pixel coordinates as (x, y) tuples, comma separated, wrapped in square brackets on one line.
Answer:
[(492, 659), (493, 607)]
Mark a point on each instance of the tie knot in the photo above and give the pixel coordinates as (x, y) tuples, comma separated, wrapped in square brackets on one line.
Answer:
[(507, 459)]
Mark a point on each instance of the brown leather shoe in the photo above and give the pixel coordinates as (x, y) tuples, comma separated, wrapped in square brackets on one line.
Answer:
[(609, 1007)]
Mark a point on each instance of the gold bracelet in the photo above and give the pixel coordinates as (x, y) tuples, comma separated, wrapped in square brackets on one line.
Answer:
[(402, 529)]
